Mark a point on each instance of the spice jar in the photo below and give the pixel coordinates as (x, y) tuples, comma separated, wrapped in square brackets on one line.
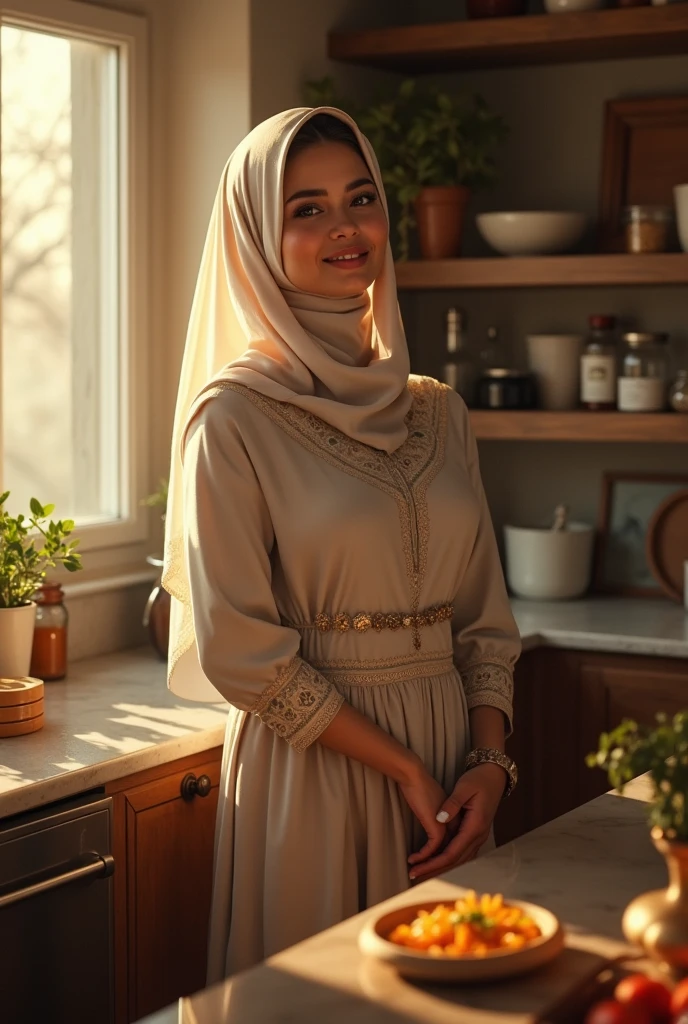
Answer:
[(598, 365), (647, 228), (501, 388), (49, 652), (642, 384), (678, 392)]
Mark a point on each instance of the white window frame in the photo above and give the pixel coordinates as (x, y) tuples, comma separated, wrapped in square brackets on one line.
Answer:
[(129, 34)]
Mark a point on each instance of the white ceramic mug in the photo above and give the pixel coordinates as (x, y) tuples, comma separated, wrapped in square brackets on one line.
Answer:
[(681, 202), (549, 565), (555, 360)]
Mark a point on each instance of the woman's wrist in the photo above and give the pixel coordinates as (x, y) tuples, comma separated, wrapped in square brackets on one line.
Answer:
[(407, 767)]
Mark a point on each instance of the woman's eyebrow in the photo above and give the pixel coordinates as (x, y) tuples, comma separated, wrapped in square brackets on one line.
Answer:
[(309, 193)]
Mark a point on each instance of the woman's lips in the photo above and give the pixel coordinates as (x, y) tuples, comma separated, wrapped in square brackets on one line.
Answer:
[(347, 259)]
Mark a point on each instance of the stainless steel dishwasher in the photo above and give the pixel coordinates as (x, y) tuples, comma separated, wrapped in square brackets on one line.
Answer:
[(56, 924)]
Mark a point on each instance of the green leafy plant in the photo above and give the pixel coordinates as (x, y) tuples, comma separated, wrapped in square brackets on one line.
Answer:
[(422, 137), (24, 560), (660, 750), (158, 499)]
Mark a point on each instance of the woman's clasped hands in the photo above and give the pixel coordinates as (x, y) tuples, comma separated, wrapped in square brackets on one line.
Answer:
[(456, 825)]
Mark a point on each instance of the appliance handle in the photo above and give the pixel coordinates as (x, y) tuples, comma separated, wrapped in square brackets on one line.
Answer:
[(102, 867)]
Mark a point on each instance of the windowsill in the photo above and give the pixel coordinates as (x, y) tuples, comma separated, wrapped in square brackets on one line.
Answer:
[(108, 583)]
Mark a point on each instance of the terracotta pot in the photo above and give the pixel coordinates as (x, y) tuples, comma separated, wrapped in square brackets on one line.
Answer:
[(156, 615), (439, 214), (16, 640), (494, 8), (658, 921)]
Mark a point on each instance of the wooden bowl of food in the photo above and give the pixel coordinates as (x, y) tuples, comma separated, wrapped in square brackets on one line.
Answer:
[(473, 939)]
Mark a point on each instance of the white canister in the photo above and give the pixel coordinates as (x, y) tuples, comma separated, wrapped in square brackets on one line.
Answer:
[(681, 202), (549, 565), (555, 361), (16, 640)]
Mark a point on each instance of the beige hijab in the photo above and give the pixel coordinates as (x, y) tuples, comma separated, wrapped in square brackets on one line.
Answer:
[(344, 360)]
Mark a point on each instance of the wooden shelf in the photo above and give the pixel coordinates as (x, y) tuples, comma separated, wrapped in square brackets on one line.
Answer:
[(545, 271), (648, 428), (531, 39)]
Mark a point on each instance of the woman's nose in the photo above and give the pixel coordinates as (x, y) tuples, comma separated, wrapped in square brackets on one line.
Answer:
[(344, 228)]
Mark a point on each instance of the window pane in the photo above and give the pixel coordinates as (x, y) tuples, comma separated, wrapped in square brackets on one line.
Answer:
[(60, 304)]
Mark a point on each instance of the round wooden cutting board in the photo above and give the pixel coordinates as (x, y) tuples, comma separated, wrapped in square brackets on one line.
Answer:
[(667, 544), (23, 690), (22, 712), (21, 728)]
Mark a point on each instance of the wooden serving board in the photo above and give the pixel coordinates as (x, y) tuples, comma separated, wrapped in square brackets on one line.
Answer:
[(21, 712), (21, 728), (25, 690)]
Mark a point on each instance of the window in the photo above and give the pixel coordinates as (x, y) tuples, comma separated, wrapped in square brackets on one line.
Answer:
[(73, 340)]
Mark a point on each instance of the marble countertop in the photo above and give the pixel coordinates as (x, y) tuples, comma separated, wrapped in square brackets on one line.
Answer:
[(585, 867), (114, 716)]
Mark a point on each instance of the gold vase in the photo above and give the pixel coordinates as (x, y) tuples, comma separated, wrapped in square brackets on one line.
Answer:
[(658, 921)]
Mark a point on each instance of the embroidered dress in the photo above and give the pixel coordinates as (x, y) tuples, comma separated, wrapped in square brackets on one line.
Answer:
[(296, 527)]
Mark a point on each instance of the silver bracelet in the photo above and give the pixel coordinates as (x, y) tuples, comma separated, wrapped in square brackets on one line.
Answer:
[(489, 755)]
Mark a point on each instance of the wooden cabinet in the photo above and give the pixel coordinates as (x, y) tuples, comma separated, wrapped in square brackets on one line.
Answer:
[(164, 834), (563, 701)]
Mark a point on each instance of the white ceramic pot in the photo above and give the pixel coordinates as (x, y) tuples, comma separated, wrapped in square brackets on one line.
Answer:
[(681, 201), (549, 565), (16, 640), (555, 361)]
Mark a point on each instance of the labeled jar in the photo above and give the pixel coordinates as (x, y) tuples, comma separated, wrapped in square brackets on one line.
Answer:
[(501, 388), (49, 652), (642, 384), (599, 365), (646, 228)]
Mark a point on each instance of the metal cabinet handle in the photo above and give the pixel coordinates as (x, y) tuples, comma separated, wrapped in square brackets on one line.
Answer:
[(192, 786), (102, 867)]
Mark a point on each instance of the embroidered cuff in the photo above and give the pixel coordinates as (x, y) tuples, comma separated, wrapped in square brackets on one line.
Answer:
[(492, 684), (299, 705)]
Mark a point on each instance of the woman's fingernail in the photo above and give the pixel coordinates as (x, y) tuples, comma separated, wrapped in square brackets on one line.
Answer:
[(443, 816), (412, 877)]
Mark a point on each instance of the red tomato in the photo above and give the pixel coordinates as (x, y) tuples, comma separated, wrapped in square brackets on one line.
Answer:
[(609, 1011), (679, 998), (639, 990)]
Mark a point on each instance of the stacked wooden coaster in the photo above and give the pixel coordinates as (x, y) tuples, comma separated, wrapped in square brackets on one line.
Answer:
[(21, 706)]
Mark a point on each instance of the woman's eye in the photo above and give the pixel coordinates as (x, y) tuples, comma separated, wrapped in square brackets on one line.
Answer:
[(364, 198), (307, 211)]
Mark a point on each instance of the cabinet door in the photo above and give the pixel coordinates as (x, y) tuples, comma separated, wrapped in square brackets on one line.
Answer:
[(615, 688), (170, 841), (516, 815)]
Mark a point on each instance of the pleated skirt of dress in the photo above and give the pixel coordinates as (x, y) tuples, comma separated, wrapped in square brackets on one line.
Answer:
[(305, 840)]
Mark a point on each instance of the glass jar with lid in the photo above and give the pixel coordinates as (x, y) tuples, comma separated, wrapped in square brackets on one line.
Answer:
[(678, 392), (646, 228), (49, 652), (643, 380)]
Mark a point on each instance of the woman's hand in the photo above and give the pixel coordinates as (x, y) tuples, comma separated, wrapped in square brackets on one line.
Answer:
[(425, 797), (477, 794)]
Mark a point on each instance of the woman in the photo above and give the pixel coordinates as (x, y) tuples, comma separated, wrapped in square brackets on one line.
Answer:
[(331, 556)]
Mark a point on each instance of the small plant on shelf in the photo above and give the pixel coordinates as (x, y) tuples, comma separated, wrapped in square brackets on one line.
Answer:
[(29, 546), (158, 499), (423, 137), (660, 750)]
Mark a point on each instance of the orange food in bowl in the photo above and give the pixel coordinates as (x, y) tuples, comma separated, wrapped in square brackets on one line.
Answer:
[(473, 925)]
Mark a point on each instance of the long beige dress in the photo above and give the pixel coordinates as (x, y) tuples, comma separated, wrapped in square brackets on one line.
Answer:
[(296, 524)]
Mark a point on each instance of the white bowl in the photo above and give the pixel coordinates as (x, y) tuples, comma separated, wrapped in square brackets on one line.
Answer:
[(549, 565), (531, 233), (411, 963), (561, 6)]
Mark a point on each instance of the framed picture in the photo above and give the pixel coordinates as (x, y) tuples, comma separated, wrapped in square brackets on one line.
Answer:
[(627, 506), (644, 154)]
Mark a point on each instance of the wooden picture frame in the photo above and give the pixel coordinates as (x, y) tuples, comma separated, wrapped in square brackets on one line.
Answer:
[(644, 154), (627, 504)]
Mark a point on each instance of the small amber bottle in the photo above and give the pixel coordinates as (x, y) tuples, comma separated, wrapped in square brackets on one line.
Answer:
[(49, 653)]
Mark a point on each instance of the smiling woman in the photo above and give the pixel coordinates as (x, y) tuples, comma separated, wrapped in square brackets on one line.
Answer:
[(335, 231)]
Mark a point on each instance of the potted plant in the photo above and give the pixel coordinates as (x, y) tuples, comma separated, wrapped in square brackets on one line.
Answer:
[(156, 614), (29, 545), (657, 921), (434, 149)]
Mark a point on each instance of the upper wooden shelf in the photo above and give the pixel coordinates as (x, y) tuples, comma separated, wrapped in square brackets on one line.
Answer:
[(530, 39), (545, 271), (649, 428)]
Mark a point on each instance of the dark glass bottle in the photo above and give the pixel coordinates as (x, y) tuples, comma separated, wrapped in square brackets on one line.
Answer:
[(49, 652)]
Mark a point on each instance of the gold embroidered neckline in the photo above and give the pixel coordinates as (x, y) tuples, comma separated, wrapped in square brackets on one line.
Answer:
[(404, 474)]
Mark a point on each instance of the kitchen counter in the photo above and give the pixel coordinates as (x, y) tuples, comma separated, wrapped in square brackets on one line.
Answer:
[(114, 716), (585, 867)]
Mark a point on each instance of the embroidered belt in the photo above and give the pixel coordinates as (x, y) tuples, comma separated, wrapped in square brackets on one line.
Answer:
[(361, 622)]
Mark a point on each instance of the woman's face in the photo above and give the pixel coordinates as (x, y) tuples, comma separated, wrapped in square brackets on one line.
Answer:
[(334, 235)]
